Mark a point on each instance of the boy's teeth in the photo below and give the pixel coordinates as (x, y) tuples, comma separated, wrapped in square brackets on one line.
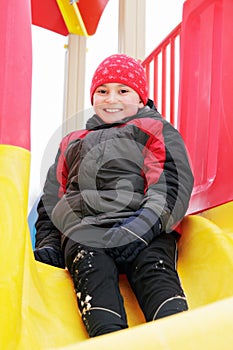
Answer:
[(112, 110)]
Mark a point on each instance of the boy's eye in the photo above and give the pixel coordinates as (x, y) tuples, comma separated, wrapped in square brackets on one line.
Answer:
[(101, 91), (123, 91)]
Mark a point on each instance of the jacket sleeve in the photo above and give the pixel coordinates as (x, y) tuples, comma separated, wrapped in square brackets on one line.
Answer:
[(169, 192), (168, 178), (46, 232)]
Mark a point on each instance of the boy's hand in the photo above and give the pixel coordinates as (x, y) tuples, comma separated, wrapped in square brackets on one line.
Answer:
[(123, 252), (124, 242), (50, 256)]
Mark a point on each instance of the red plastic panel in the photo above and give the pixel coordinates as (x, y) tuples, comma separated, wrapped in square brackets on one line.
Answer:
[(15, 73), (206, 99), (46, 14), (91, 12)]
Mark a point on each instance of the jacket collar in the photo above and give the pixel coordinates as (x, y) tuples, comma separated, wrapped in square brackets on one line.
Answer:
[(95, 122)]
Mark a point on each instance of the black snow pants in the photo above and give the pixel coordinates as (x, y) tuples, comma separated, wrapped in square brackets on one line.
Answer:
[(152, 276)]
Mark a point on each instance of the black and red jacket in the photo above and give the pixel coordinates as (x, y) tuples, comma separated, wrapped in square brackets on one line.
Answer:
[(109, 172)]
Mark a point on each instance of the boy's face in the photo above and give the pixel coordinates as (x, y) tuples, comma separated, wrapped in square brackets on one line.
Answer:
[(113, 102)]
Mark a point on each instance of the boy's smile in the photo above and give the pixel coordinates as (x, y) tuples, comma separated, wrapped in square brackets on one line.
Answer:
[(113, 102)]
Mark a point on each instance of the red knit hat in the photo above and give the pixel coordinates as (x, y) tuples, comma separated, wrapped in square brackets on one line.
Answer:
[(120, 68)]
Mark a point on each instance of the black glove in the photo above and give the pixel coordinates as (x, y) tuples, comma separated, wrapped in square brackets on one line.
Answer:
[(126, 240), (51, 256)]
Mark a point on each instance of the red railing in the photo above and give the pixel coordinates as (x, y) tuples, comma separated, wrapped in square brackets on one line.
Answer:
[(162, 69)]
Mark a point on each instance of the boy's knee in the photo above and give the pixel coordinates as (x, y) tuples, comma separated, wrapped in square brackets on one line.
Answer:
[(170, 307), (99, 321)]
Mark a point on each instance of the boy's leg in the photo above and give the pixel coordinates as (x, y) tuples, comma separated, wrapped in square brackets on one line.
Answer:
[(155, 281), (95, 278)]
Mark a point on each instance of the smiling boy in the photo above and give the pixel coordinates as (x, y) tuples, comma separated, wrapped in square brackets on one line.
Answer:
[(113, 199)]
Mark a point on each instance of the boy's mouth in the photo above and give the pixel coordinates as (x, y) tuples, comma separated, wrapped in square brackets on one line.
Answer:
[(112, 110)]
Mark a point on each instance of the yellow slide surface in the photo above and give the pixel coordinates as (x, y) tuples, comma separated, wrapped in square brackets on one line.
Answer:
[(38, 304)]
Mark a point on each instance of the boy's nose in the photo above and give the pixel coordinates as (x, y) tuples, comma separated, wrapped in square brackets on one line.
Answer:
[(111, 96)]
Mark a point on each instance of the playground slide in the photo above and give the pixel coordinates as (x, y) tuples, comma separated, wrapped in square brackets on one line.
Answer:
[(38, 304)]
